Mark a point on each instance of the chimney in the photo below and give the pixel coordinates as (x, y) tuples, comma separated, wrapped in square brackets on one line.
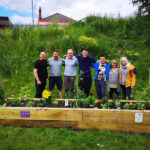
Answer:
[(40, 13)]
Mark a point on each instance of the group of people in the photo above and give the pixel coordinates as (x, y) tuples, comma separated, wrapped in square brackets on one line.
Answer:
[(117, 77)]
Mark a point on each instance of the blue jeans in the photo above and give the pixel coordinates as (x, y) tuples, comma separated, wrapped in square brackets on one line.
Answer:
[(100, 88)]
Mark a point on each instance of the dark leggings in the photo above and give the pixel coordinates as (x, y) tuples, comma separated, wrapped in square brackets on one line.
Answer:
[(112, 91), (126, 92)]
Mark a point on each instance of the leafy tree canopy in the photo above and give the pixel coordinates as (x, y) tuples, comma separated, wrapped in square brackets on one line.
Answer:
[(143, 6)]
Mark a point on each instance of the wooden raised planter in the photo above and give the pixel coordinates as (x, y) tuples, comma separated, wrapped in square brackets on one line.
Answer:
[(77, 118)]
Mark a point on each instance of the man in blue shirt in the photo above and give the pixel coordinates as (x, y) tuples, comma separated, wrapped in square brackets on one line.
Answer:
[(85, 80)]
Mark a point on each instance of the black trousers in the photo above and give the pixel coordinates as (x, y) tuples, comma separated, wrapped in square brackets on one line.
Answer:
[(85, 85), (69, 85), (112, 91), (126, 92), (39, 88), (100, 88)]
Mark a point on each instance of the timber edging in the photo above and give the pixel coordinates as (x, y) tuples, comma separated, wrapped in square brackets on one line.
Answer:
[(77, 118)]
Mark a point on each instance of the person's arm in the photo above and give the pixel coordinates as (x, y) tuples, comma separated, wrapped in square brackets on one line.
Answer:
[(77, 56), (94, 65), (36, 76), (93, 61), (63, 62), (77, 62), (108, 66), (133, 76)]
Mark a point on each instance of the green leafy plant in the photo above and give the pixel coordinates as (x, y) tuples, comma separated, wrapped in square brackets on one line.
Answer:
[(118, 104), (147, 105), (110, 103), (40, 104), (85, 103), (104, 106), (54, 103), (79, 96), (1, 93), (30, 103), (12, 102), (126, 106), (140, 105)]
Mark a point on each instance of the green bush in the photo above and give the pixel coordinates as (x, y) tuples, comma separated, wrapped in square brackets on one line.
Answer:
[(1, 94)]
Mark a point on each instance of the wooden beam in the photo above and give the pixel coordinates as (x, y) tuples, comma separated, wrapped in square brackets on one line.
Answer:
[(77, 118)]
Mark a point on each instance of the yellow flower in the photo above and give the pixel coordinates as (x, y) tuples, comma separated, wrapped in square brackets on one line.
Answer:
[(46, 94), (55, 102), (97, 101), (143, 101), (110, 101), (130, 104), (5, 99)]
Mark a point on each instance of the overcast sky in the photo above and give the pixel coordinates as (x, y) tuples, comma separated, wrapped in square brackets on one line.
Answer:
[(20, 12)]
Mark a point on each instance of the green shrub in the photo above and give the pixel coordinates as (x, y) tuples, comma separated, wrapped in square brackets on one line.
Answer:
[(1, 93)]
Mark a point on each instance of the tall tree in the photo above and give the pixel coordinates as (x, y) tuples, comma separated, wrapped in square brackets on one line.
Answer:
[(143, 6)]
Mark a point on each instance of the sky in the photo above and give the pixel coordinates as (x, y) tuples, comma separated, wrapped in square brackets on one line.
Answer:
[(20, 11)]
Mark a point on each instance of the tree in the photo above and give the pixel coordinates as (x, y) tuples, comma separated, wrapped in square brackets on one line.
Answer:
[(143, 6)]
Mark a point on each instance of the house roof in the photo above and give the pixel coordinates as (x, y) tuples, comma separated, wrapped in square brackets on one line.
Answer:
[(4, 21), (58, 17)]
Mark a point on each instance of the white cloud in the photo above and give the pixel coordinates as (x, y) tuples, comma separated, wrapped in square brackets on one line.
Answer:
[(79, 9), (76, 9), (23, 20), (17, 5)]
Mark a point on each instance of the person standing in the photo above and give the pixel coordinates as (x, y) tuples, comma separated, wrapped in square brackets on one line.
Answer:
[(70, 73), (127, 77), (55, 63), (40, 73), (113, 81), (101, 75), (85, 80)]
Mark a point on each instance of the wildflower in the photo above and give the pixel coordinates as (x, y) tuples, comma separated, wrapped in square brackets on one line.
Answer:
[(110, 101), (54, 102), (130, 104), (46, 94), (5, 99), (96, 101)]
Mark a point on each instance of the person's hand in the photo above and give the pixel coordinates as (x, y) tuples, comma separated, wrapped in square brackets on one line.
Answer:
[(65, 56), (107, 61), (39, 82), (132, 87)]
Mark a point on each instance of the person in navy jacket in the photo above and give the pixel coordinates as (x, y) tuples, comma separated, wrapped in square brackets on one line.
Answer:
[(85, 62), (101, 75)]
